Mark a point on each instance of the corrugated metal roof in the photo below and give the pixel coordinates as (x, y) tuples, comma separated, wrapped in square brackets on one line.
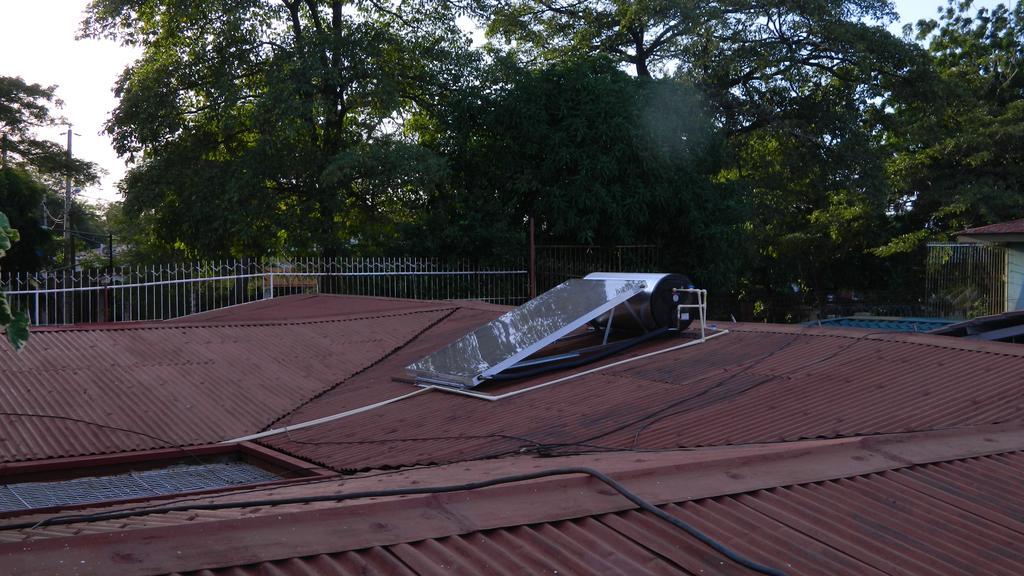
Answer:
[(585, 546), (960, 517), (661, 476), (1011, 227), (806, 506), (178, 385), (957, 516), (755, 384)]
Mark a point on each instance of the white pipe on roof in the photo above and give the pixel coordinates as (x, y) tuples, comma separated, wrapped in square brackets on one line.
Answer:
[(481, 396), (496, 397), (309, 423)]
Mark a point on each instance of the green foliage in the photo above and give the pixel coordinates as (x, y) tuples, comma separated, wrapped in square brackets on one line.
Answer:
[(14, 324), (21, 198), (594, 155), (750, 58), (776, 147), (267, 127), (34, 167), (24, 108), (957, 159)]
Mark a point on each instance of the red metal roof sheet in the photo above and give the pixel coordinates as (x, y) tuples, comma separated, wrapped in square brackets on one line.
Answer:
[(807, 506), (956, 516), (755, 384), (1011, 227), (178, 385), (909, 521), (699, 473), (876, 524)]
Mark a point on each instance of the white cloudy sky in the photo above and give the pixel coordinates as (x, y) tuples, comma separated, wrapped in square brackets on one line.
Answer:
[(37, 42)]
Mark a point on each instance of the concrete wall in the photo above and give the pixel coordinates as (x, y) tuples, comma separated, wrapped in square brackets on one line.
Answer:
[(1015, 276)]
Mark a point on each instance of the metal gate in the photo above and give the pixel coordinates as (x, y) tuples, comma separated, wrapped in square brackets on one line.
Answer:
[(966, 280)]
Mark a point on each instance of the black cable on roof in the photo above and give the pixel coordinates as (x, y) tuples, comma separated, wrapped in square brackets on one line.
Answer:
[(640, 502), (665, 411)]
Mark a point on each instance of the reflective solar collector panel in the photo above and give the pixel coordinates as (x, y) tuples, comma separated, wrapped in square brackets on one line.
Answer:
[(519, 333)]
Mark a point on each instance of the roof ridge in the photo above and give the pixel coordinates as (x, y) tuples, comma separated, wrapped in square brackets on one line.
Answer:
[(159, 325)]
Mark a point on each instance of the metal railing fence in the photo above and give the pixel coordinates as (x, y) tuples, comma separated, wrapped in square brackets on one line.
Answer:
[(966, 280), (160, 292), (557, 263)]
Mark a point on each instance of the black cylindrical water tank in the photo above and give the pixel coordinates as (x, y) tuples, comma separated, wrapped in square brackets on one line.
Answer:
[(653, 308)]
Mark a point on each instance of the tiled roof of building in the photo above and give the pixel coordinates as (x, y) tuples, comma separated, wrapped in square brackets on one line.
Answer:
[(812, 449)]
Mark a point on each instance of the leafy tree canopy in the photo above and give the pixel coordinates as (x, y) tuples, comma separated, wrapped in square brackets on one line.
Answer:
[(23, 197), (24, 108), (958, 160), (262, 126), (789, 84), (594, 155), (33, 169), (751, 58)]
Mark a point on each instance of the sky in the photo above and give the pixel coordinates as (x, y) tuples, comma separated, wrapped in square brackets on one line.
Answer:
[(37, 42)]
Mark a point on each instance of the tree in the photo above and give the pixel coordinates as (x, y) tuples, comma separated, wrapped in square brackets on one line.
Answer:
[(22, 197), (788, 83), (751, 59), (15, 325), (594, 155), (32, 167), (24, 108), (261, 126), (957, 159)]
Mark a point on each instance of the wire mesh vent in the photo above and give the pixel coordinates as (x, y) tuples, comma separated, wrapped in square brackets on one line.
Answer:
[(135, 484)]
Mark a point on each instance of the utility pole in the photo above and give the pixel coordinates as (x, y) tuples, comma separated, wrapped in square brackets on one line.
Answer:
[(69, 247)]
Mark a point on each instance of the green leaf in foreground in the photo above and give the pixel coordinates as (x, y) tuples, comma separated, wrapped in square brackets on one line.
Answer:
[(17, 330)]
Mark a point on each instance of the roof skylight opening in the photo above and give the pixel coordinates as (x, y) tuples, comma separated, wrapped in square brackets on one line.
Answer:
[(137, 480), (533, 338)]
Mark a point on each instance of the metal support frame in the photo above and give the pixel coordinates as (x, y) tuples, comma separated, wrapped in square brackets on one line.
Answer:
[(701, 306), (608, 327)]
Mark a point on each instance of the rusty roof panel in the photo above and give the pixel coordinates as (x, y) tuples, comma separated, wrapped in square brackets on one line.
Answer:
[(203, 382), (377, 383), (177, 385), (1010, 227), (935, 519), (751, 385), (584, 546)]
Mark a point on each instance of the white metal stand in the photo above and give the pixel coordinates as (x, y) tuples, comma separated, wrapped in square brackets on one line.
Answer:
[(701, 306)]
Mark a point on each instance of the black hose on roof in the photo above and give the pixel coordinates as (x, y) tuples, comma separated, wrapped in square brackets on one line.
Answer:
[(613, 348), (640, 502)]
